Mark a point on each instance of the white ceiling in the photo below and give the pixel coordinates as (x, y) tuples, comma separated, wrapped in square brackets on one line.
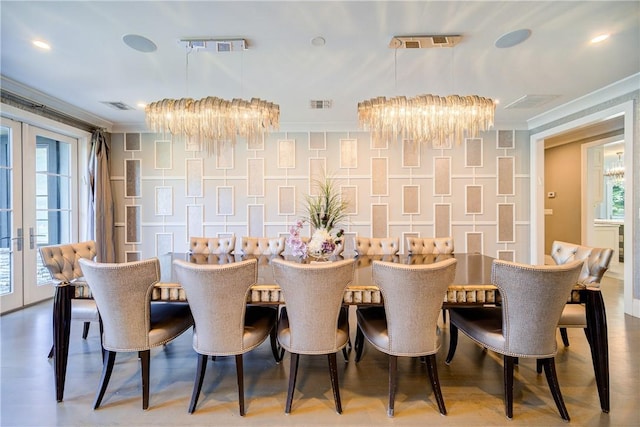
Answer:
[(89, 63)]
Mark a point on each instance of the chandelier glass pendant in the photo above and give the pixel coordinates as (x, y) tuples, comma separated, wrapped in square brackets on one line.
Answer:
[(427, 118), (616, 171), (211, 120)]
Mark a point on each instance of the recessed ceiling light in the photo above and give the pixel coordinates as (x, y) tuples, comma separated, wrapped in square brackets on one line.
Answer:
[(139, 43), (42, 44), (599, 38), (512, 38), (318, 41), (141, 104)]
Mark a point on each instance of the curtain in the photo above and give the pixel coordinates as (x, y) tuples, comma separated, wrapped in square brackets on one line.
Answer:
[(101, 207)]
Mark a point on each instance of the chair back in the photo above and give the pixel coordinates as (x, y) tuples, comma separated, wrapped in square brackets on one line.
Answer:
[(62, 261), (533, 298), (217, 296), (262, 245), (122, 293), (377, 245), (413, 296), (596, 260), (212, 245), (313, 294), (429, 245)]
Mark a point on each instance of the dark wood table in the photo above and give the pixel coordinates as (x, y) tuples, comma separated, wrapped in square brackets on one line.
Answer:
[(471, 287)]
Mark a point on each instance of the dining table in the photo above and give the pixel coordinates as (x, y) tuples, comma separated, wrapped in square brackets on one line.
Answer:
[(472, 286)]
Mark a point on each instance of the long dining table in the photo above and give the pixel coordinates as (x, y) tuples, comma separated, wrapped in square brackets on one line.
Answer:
[(472, 286)]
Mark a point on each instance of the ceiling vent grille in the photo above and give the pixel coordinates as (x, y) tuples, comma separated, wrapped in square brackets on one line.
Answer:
[(117, 105), (531, 101), (215, 45), (320, 104), (424, 42)]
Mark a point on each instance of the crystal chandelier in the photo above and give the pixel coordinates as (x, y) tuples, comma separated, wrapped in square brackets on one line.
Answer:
[(211, 120), (616, 171), (427, 118)]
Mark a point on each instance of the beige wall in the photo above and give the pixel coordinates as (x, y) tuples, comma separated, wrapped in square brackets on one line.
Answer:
[(477, 192), (563, 177)]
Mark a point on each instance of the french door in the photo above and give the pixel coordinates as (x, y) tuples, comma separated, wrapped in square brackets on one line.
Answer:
[(38, 206)]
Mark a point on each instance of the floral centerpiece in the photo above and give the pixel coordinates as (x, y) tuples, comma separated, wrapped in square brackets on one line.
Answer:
[(324, 212)]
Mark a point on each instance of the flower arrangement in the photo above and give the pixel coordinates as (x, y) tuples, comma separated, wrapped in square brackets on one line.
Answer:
[(324, 212)]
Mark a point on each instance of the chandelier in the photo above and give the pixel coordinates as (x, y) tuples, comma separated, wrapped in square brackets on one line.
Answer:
[(210, 120), (616, 172), (427, 118)]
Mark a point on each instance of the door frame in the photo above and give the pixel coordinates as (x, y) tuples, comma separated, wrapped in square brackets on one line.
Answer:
[(631, 304)]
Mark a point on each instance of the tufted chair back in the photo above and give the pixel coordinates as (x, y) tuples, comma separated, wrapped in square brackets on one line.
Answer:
[(212, 245), (595, 265), (429, 245), (62, 261), (262, 245), (377, 245)]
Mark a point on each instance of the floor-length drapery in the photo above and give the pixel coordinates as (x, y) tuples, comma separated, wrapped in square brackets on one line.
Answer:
[(101, 207)]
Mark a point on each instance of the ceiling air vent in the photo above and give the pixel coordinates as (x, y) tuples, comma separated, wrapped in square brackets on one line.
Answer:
[(531, 101), (117, 105), (320, 104), (214, 45), (423, 42)]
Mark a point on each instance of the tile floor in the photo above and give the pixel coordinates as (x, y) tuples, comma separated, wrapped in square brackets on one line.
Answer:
[(472, 385)]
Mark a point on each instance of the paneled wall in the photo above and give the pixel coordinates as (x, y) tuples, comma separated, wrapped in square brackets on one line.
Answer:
[(478, 192)]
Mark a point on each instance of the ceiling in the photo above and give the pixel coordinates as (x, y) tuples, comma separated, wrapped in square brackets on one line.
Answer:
[(89, 63)]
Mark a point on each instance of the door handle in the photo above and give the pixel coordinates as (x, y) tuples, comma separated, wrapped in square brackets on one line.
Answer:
[(32, 238)]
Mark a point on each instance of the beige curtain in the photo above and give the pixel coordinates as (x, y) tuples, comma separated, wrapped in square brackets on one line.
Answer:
[(101, 207)]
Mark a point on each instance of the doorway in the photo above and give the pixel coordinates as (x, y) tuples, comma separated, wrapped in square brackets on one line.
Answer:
[(38, 207)]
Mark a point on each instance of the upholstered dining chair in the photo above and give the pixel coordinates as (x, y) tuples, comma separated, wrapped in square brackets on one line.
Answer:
[(524, 326), (212, 245), (62, 262), (223, 323), (131, 322), (262, 245), (376, 245), (596, 263), (313, 320), (429, 245), (407, 325)]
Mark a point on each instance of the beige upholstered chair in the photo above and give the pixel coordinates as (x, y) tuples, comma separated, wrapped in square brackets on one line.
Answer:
[(407, 325), (62, 263), (262, 245), (429, 245), (130, 321), (212, 245), (596, 264), (223, 323), (313, 320), (376, 245), (525, 325)]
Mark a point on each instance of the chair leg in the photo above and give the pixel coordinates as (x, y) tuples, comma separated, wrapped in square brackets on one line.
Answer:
[(240, 375), (393, 383), (197, 384), (293, 372), (565, 338), (435, 382), (333, 373), (108, 358), (276, 350), (359, 343), (508, 386), (145, 357), (85, 330), (550, 371), (50, 353), (453, 342)]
